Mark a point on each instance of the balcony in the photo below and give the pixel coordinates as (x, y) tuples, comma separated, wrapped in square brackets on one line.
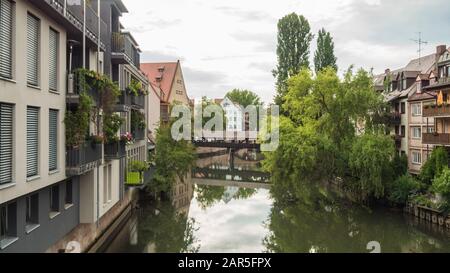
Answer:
[(138, 134), (398, 141), (436, 139), (75, 87), (436, 111), (138, 102), (115, 150), (60, 9), (395, 118), (124, 102), (82, 159), (123, 49)]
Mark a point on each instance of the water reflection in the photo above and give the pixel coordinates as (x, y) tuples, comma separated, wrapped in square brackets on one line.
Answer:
[(223, 209)]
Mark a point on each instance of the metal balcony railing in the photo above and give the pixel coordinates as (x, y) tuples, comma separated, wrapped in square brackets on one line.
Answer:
[(115, 150), (138, 101), (83, 158)]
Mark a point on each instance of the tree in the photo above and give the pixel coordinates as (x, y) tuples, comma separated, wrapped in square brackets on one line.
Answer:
[(294, 38), (324, 55), (244, 97), (434, 166)]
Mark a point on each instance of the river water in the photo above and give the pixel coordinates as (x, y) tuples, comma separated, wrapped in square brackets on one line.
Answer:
[(212, 212)]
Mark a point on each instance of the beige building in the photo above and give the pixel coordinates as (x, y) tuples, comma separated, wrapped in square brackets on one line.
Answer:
[(169, 78)]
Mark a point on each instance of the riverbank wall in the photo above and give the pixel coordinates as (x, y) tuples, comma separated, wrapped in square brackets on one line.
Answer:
[(83, 237), (429, 215)]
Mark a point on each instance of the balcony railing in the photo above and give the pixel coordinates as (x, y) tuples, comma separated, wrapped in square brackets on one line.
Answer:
[(123, 102), (121, 43), (115, 150), (138, 101), (395, 118), (436, 139), (398, 140), (74, 14), (436, 111), (83, 158), (138, 134), (443, 80)]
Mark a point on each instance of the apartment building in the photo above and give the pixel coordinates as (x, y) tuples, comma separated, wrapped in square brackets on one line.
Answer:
[(398, 86), (436, 105), (47, 187)]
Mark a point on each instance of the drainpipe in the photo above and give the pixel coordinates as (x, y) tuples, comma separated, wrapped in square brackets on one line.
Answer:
[(98, 71)]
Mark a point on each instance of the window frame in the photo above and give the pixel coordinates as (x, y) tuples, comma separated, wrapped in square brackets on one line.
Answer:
[(38, 51), (415, 129), (419, 157)]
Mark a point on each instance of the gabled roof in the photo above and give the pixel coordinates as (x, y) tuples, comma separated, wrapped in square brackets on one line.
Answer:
[(161, 75)]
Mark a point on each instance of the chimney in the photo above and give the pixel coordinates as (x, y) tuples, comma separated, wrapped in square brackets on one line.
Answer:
[(440, 49)]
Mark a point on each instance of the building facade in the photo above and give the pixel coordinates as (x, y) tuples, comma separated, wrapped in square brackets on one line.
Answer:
[(48, 188)]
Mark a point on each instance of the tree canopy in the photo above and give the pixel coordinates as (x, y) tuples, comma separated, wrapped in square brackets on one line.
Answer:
[(324, 55)]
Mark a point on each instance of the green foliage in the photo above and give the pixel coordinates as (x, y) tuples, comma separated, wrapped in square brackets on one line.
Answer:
[(400, 165), (402, 188), (138, 120), (434, 166), (331, 133), (294, 38), (324, 55), (173, 159), (441, 184), (77, 121), (138, 166), (369, 163), (111, 125), (244, 97), (136, 88)]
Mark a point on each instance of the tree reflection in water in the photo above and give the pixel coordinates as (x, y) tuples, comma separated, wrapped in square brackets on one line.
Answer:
[(306, 217), (208, 196), (164, 230)]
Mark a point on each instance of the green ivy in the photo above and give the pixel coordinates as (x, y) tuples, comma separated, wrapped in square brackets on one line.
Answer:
[(77, 121)]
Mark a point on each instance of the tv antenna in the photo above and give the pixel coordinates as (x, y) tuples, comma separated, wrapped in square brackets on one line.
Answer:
[(420, 42)]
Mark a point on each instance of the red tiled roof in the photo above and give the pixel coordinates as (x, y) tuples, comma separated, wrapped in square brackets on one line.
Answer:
[(161, 75)]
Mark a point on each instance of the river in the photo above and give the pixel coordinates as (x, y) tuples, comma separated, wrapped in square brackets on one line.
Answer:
[(215, 211)]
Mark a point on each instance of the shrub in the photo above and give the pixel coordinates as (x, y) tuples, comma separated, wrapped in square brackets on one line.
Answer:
[(434, 166), (138, 166), (402, 188), (441, 184)]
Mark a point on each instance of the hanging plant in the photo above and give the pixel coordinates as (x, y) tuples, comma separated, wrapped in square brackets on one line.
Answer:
[(138, 120), (77, 121), (111, 126)]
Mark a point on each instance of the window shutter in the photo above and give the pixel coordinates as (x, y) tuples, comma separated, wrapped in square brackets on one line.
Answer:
[(53, 60), (6, 143), (53, 140), (6, 27), (32, 141), (32, 50)]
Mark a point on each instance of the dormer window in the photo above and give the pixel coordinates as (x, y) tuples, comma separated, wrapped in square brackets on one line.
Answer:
[(404, 83), (419, 87)]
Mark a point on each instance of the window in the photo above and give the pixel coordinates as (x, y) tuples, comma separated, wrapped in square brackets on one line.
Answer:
[(397, 130), (6, 42), (54, 201), (430, 130), (416, 132), (69, 193), (53, 140), (416, 157), (32, 141), (179, 92), (404, 84), (416, 109), (403, 131), (53, 60), (6, 143), (419, 86), (32, 212), (403, 108), (33, 37), (8, 224)]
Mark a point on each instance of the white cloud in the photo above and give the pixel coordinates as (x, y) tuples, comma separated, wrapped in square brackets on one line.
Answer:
[(228, 38)]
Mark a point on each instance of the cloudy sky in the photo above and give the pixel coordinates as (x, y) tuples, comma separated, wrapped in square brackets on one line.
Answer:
[(231, 44)]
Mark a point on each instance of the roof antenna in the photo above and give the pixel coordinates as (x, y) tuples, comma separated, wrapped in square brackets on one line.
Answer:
[(420, 42)]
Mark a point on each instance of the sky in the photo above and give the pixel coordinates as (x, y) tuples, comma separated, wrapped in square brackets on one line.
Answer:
[(232, 44)]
